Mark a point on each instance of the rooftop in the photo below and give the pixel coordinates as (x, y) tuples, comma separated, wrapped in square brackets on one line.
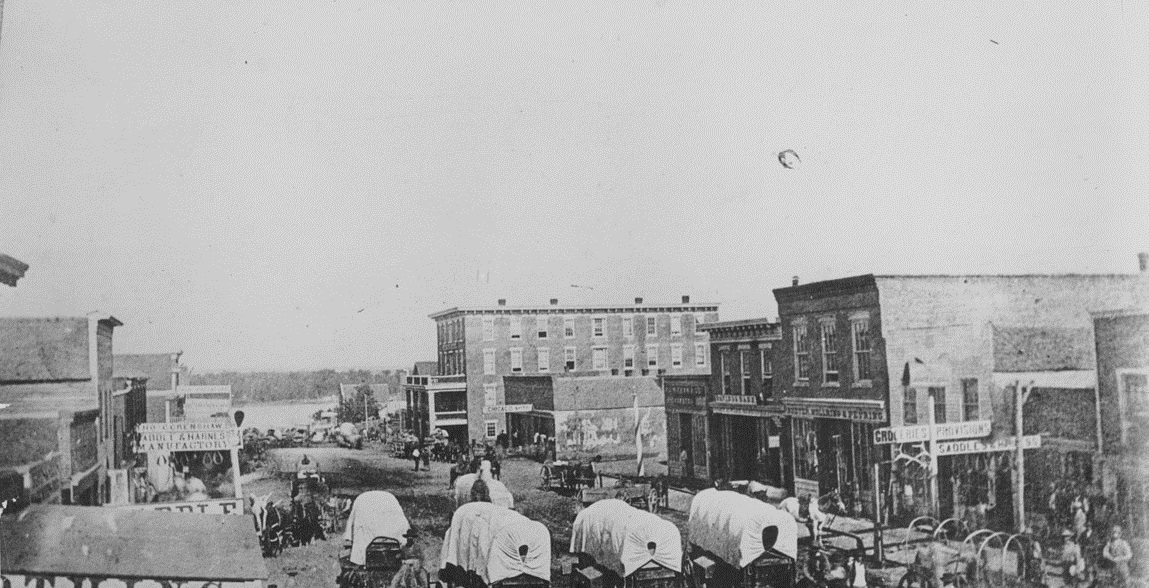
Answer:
[(43, 349), (11, 269), (759, 326), (635, 308)]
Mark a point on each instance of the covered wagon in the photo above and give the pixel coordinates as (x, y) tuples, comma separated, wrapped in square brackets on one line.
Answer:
[(489, 546), (621, 546), (373, 542), (738, 541), (495, 490)]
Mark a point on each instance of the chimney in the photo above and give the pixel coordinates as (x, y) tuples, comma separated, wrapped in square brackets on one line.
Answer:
[(795, 281), (638, 300), (1143, 260), (554, 301), (502, 302), (686, 300)]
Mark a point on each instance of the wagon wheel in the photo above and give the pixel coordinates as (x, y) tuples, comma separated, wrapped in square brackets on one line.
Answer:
[(652, 500)]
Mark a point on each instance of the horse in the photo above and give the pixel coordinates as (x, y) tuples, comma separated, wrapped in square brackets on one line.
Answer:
[(305, 522), (268, 525)]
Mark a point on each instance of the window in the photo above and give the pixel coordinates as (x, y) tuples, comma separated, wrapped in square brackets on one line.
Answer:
[(599, 358), (569, 358), (544, 359), (489, 362), (568, 327), (492, 429), (628, 356), (676, 355), (801, 353), (516, 327), (628, 326), (767, 372), (541, 326), (652, 356), (969, 399), (700, 355), (861, 335), (675, 325), (744, 365), (939, 404), (829, 354), (651, 326), (1133, 397), (724, 369), (516, 361), (488, 328), (910, 407), (699, 318), (599, 324), (490, 394)]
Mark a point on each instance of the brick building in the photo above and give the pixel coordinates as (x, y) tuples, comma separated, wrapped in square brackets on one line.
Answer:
[(483, 344), (436, 402), (163, 373), (688, 418), (56, 373)]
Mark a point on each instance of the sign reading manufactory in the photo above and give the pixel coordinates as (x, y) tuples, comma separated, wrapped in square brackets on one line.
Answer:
[(914, 434), (202, 436)]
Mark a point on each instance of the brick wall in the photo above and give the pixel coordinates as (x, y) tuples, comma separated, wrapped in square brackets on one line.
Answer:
[(27, 440)]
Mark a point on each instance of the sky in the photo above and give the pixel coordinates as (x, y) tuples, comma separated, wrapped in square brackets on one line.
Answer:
[(274, 184)]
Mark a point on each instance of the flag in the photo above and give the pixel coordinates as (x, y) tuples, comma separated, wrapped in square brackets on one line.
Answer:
[(638, 435)]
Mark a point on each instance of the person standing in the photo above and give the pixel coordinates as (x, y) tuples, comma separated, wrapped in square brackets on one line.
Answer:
[(415, 455), (1118, 553), (1072, 562), (928, 566)]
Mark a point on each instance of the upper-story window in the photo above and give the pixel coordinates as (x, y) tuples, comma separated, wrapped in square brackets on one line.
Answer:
[(700, 355), (541, 326), (910, 407), (675, 325), (939, 407), (628, 326), (969, 399), (651, 326), (516, 327), (767, 372), (801, 353), (569, 354), (598, 357), (676, 355), (724, 369), (599, 326), (628, 357), (568, 327), (744, 365), (829, 353), (860, 329), (516, 360), (544, 359), (488, 328), (699, 318), (652, 355), (489, 362)]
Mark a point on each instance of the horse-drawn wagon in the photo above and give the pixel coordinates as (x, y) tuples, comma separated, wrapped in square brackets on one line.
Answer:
[(740, 542), (489, 546), (495, 490), (620, 546), (374, 541)]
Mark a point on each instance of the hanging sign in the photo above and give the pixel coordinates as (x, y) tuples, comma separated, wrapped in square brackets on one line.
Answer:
[(201, 436), (944, 431), (976, 446)]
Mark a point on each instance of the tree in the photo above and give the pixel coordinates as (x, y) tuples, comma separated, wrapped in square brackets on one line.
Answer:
[(352, 409)]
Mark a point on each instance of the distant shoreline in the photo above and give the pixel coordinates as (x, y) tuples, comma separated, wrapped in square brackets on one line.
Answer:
[(333, 400)]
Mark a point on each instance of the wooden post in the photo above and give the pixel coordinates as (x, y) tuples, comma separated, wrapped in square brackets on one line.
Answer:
[(1019, 459), (935, 505), (879, 547), (235, 473)]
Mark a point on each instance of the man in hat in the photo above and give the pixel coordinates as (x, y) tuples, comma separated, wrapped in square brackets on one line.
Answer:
[(1118, 553)]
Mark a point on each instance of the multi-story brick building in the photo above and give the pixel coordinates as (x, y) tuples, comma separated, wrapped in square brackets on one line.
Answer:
[(483, 344), (688, 419)]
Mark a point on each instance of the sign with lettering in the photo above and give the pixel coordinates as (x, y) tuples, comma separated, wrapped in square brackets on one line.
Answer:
[(224, 506), (508, 408), (81, 580), (942, 432), (187, 436), (875, 414), (978, 446)]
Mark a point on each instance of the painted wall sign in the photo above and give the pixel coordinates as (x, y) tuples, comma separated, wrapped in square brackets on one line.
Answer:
[(827, 411), (198, 436), (508, 408), (977, 446), (944, 431), (223, 506)]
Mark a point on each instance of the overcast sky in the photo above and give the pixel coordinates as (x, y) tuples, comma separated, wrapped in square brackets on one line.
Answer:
[(283, 184)]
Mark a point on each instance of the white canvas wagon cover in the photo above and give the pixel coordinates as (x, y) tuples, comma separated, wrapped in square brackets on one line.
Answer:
[(617, 535), (486, 539), (374, 514), (730, 526), (500, 495)]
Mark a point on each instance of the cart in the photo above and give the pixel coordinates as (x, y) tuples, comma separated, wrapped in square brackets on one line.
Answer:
[(489, 546), (498, 492), (373, 542), (620, 546), (636, 495), (740, 542)]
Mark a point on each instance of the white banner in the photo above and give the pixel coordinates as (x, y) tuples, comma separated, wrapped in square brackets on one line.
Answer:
[(944, 431), (976, 446), (222, 506)]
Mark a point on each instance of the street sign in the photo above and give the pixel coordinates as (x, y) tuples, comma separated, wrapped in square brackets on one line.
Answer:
[(508, 408), (976, 446), (944, 431)]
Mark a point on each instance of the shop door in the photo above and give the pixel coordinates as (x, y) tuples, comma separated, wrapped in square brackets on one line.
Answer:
[(744, 447), (686, 440)]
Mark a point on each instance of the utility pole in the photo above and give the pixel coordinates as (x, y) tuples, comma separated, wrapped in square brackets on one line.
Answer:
[(1020, 395), (935, 503), (879, 547)]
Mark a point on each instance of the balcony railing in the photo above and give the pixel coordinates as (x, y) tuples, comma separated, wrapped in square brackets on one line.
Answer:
[(736, 399)]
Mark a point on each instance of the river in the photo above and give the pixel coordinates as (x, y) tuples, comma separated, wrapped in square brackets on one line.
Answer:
[(283, 415)]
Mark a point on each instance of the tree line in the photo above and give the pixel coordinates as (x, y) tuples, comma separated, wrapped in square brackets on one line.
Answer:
[(299, 385)]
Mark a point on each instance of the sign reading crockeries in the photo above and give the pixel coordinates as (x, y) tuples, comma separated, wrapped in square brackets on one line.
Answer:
[(192, 436), (943, 431)]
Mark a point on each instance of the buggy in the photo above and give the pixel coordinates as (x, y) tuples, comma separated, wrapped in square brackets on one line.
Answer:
[(373, 542)]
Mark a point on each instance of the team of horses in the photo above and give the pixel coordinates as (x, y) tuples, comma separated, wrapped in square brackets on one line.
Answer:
[(291, 523)]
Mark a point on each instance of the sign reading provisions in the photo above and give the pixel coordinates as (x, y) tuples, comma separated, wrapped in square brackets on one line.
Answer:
[(509, 408), (976, 446), (963, 430), (201, 436)]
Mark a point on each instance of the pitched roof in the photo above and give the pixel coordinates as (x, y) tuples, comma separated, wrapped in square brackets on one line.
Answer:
[(48, 397), (604, 392), (156, 367), (119, 543), (1042, 349), (11, 269), (43, 349), (426, 368)]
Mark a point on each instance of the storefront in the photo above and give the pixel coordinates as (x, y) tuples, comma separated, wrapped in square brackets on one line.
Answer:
[(687, 426), (190, 464), (750, 445), (833, 447)]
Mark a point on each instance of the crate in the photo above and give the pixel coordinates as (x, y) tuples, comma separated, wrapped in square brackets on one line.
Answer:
[(654, 577), (588, 577), (522, 581)]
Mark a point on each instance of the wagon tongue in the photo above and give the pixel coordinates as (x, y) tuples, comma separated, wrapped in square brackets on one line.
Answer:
[(769, 537)]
